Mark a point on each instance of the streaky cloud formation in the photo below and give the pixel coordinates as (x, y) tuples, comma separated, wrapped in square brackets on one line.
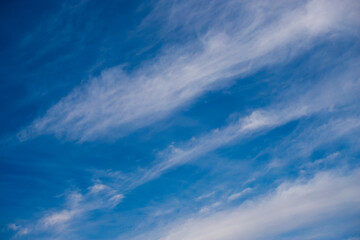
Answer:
[(169, 119), (118, 102), (319, 99), (78, 205), (293, 205), (332, 93)]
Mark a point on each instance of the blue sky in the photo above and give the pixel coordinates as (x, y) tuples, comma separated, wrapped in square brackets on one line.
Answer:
[(180, 120)]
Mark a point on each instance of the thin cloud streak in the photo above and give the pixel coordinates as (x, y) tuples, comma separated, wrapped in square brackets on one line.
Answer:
[(285, 164), (293, 205), (97, 197), (118, 102), (325, 133), (326, 96)]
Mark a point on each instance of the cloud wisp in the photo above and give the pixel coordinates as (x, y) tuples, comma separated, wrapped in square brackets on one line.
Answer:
[(293, 205), (325, 97), (118, 102), (97, 197), (205, 119), (314, 136)]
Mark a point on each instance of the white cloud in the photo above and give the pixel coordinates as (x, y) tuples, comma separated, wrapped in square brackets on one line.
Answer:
[(162, 212), (116, 199), (23, 231), (77, 206), (324, 97), (59, 217), (209, 208), (302, 144), (98, 188), (239, 194), (100, 196), (205, 196), (293, 205), (13, 226), (117, 102)]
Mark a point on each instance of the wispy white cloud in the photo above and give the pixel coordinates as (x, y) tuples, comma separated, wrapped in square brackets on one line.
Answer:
[(235, 186), (59, 217), (239, 194), (301, 144), (205, 196), (98, 196), (325, 97), (293, 205), (98, 188), (211, 207), (13, 226), (118, 102)]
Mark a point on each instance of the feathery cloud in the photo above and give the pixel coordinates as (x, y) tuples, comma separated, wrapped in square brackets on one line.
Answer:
[(118, 102), (98, 196), (291, 206), (325, 97)]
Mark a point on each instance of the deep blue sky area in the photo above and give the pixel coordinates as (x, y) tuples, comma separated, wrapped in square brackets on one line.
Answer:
[(180, 120)]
